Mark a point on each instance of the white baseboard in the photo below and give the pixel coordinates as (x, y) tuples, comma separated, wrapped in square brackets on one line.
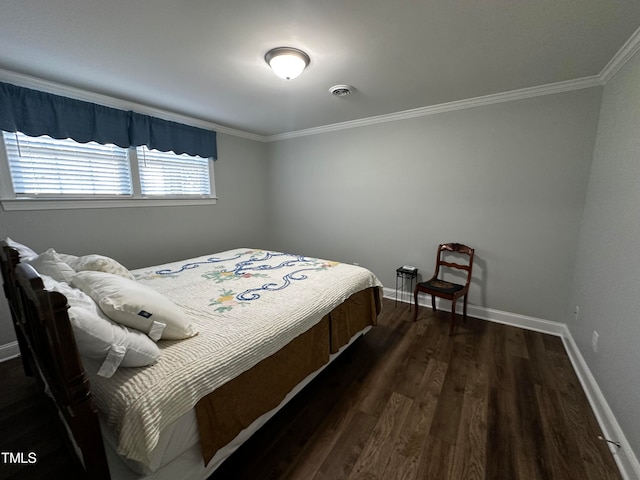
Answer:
[(484, 313), (624, 456), (9, 351)]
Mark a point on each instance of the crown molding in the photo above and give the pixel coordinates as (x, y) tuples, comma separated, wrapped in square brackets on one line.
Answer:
[(56, 88), (628, 50), (549, 89)]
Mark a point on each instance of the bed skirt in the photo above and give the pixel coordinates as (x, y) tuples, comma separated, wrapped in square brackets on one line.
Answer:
[(231, 408)]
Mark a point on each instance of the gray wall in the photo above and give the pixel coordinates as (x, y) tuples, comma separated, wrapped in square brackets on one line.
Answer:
[(607, 275), (508, 179), (143, 236)]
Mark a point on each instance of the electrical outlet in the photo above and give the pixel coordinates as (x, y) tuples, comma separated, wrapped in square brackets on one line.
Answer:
[(594, 341), (576, 312)]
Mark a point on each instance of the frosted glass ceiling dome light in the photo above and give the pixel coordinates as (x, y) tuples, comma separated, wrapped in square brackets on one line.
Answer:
[(286, 62)]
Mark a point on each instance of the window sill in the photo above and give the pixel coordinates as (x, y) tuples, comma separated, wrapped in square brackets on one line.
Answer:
[(67, 204)]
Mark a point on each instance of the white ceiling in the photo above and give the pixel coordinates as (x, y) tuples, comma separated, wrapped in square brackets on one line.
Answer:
[(205, 58)]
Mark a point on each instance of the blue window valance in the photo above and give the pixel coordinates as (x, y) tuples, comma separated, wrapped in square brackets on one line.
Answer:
[(36, 113)]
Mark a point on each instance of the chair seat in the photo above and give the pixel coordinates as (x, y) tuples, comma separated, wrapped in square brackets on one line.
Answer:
[(442, 286)]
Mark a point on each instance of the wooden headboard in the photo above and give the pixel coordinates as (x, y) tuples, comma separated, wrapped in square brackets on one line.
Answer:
[(49, 353)]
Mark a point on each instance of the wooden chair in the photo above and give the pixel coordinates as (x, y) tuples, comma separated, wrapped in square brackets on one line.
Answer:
[(437, 287)]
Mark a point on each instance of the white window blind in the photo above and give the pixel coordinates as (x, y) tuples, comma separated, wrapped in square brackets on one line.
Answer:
[(42, 166), (39, 173), (167, 174)]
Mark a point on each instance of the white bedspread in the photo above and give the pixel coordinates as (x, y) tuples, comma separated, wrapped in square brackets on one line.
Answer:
[(246, 304)]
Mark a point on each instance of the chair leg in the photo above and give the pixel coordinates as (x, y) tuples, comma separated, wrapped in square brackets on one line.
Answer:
[(433, 302), (464, 309), (415, 302), (453, 317)]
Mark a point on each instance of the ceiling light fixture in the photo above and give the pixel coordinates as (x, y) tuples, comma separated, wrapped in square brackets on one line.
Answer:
[(287, 62)]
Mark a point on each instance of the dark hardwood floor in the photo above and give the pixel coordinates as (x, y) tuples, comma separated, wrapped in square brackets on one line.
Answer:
[(407, 401), (29, 425)]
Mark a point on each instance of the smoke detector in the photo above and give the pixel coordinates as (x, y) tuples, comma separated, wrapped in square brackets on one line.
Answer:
[(341, 90)]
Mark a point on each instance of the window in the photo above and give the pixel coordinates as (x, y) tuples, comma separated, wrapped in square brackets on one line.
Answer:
[(43, 166), (165, 173), (42, 172)]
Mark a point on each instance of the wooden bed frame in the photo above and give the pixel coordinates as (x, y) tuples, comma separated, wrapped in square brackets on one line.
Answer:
[(49, 352)]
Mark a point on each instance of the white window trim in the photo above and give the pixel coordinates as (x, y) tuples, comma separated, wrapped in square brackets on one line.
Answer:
[(42, 204), (10, 202)]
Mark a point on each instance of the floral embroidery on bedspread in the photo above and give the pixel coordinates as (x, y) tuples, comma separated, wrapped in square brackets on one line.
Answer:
[(245, 268), (226, 301), (279, 269)]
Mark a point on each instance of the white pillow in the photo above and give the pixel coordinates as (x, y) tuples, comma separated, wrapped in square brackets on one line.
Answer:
[(49, 263), (66, 258), (100, 338), (100, 263), (24, 252), (135, 305)]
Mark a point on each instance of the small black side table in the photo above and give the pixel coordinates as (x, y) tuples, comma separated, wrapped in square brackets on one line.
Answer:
[(405, 273)]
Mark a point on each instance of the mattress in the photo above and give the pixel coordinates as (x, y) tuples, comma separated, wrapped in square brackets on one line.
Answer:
[(246, 304)]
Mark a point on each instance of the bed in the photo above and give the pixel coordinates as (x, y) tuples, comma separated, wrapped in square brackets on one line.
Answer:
[(254, 327)]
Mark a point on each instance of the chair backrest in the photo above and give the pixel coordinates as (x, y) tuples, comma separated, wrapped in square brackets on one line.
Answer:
[(455, 248)]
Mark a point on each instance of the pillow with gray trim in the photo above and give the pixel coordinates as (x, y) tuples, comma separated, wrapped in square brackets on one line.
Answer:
[(135, 305)]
